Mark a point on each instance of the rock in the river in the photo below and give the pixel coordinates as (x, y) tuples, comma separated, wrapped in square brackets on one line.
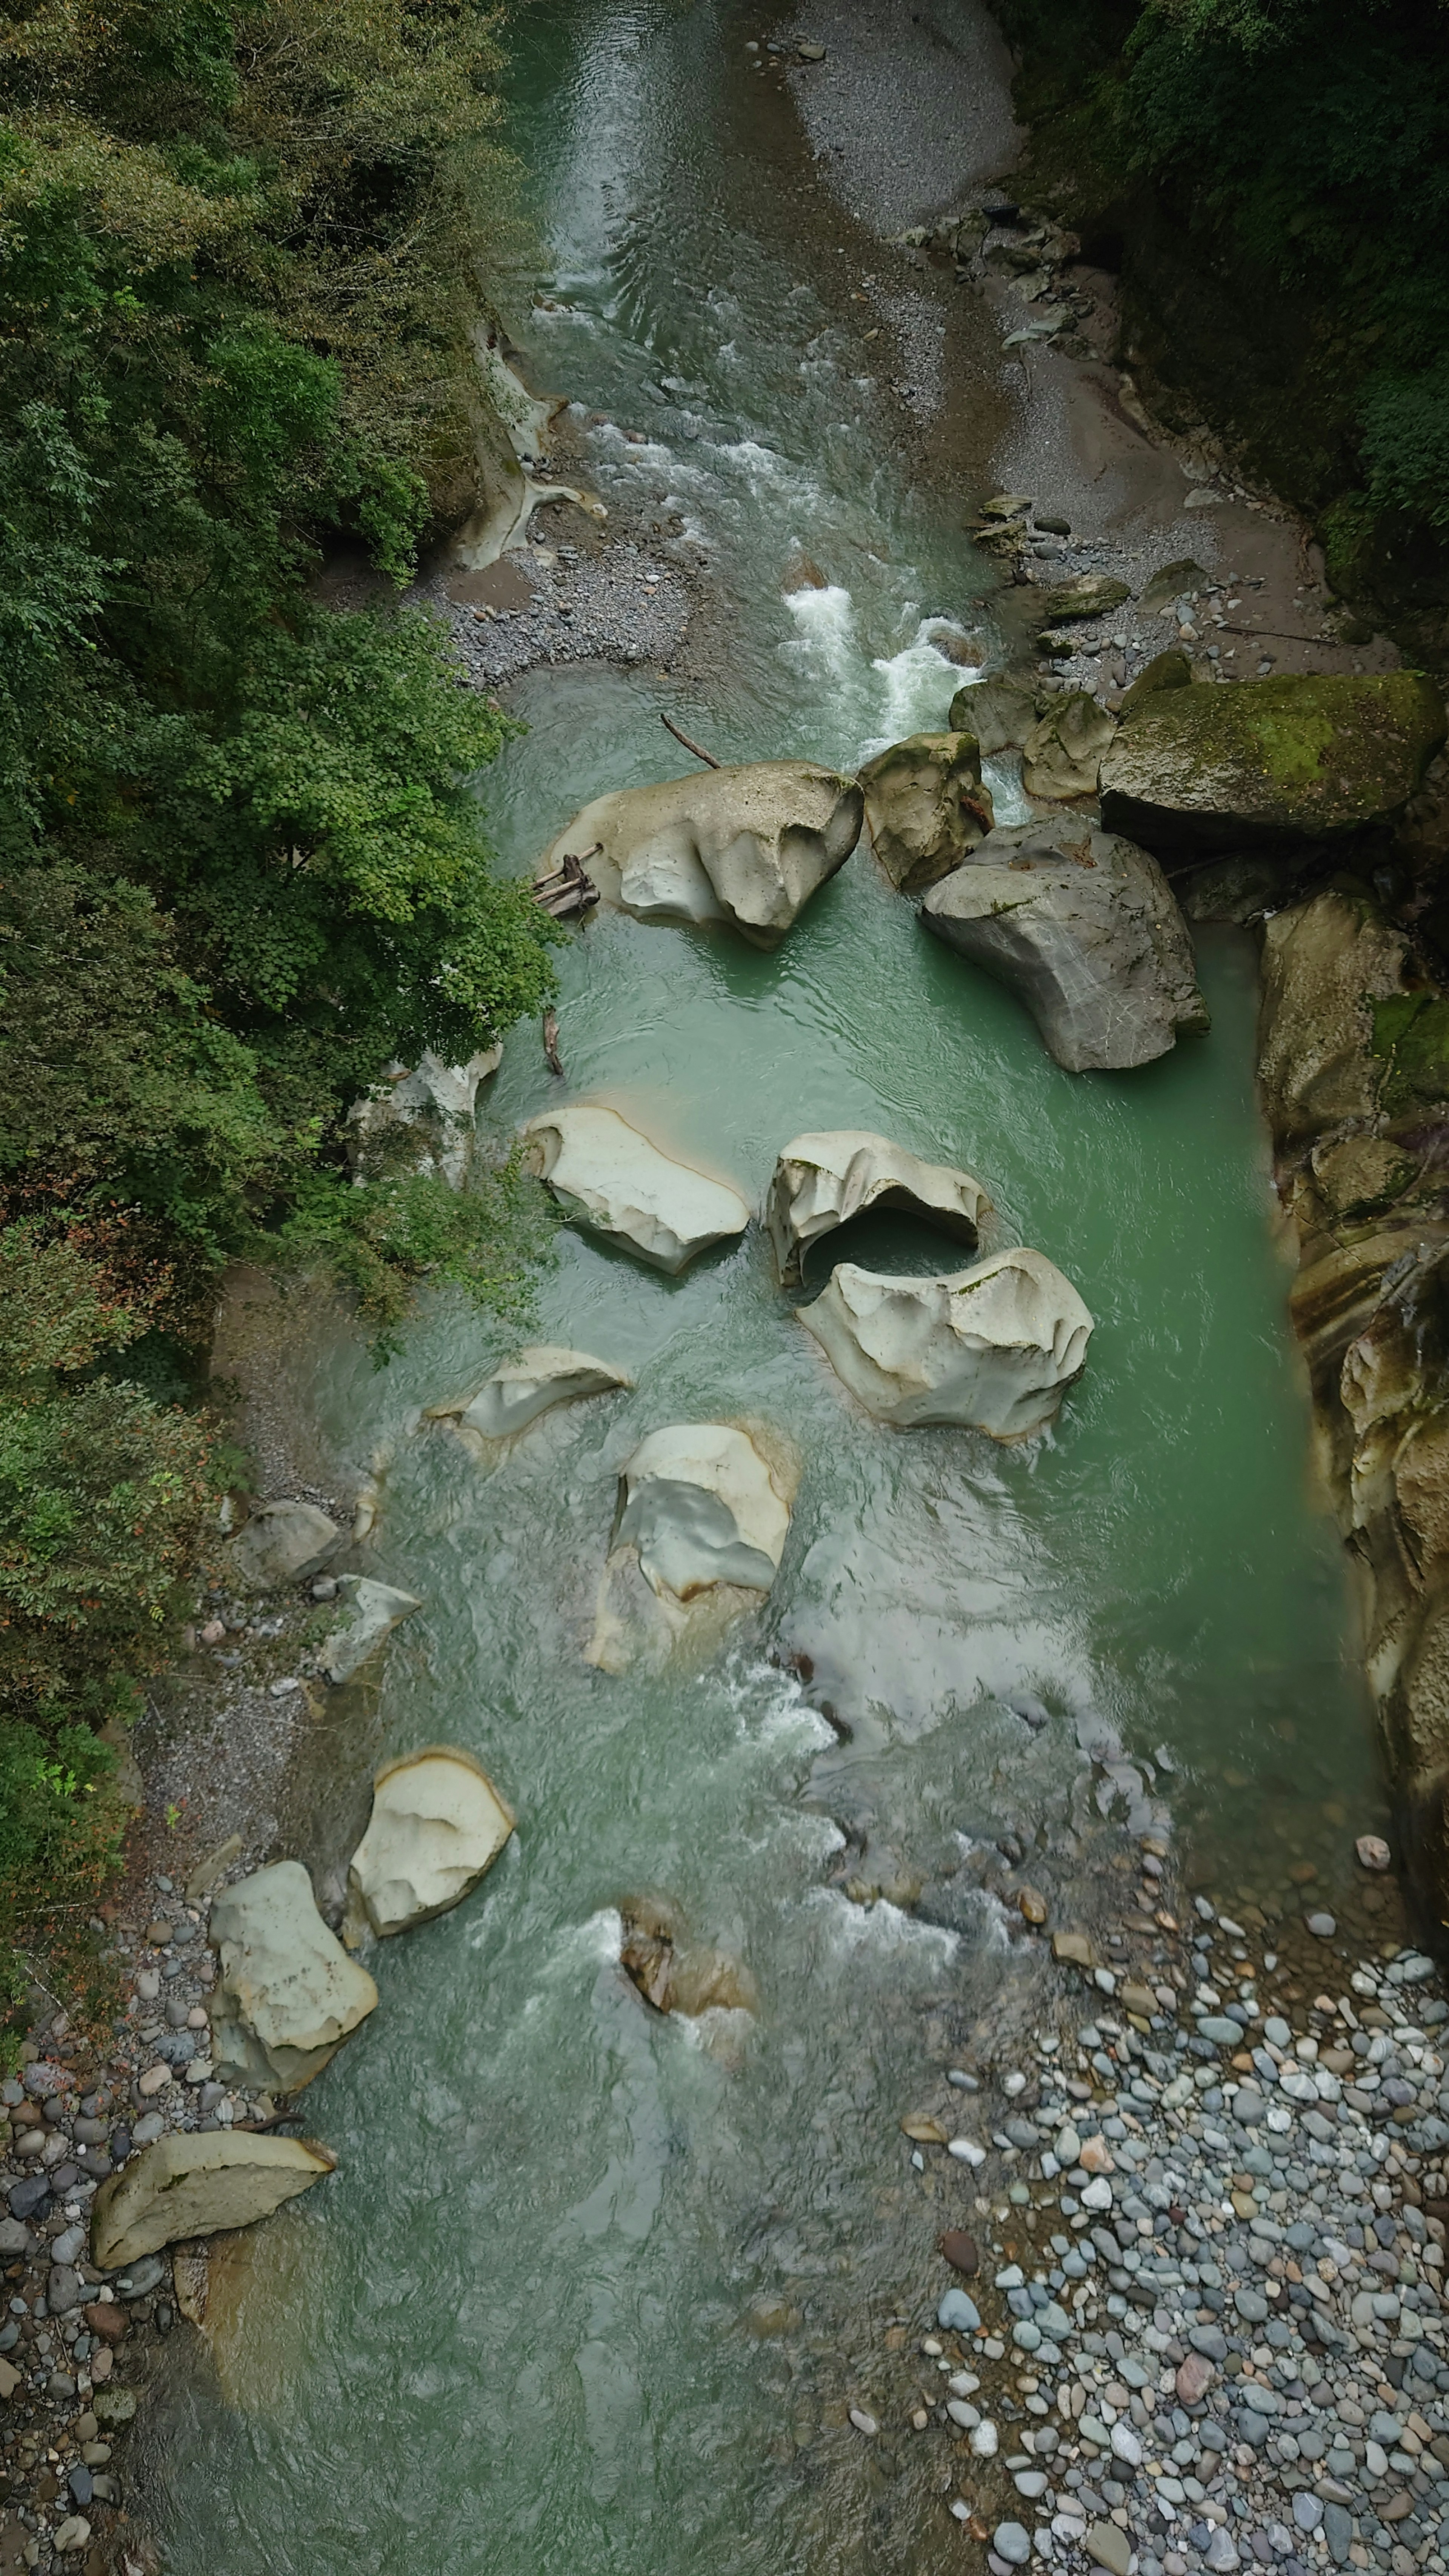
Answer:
[(193, 2184), (1084, 928), (748, 845), (999, 712), (281, 1543), (1061, 756), (288, 1994), (821, 1182), (926, 806), (437, 1824), (702, 1505), (420, 1120), (614, 1181), (674, 1974), (1269, 761), (526, 1386), (370, 1612), (993, 1348)]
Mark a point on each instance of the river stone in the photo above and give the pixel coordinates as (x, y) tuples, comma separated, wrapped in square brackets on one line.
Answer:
[(1108, 2547), (1091, 594), (1270, 761), (993, 1348), (437, 1824), (1082, 926), (194, 2183), (1165, 671), (956, 2313), (925, 806), (960, 2250), (673, 1973), (288, 1994), (1011, 2542), (746, 845), (612, 1180), (821, 1182), (702, 1505), (420, 1121), (1325, 963), (1063, 753), (1000, 713), (528, 1385), (281, 1543), (369, 1613)]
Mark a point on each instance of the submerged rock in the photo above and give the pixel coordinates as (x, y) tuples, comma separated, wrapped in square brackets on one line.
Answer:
[(196, 2183), (614, 1181), (993, 1348), (926, 806), (1264, 761), (1084, 928), (1062, 755), (370, 1612), (288, 1994), (674, 1974), (420, 1120), (821, 1182), (702, 1505), (437, 1824), (525, 1387), (999, 712), (281, 1543), (746, 845)]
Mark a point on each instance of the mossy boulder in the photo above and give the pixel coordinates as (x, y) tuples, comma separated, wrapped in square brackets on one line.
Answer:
[(1092, 594), (1269, 761)]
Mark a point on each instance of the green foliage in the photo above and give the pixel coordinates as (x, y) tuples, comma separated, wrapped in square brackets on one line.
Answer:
[(487, 1241), (1411, 1033), (1406, 442)]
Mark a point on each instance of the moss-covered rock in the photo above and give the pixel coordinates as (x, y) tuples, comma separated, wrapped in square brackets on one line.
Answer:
[(1092, 594), (1269, 761), (1170, 670)]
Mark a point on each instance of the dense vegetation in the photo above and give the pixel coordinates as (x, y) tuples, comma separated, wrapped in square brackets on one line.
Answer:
[(241, 867), (1274, 176)]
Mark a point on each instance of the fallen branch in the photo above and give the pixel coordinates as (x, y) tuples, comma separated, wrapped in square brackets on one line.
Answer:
[(550, 1043), (671, 727)]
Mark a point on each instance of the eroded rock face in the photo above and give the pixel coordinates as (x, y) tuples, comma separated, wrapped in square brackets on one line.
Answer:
[(370, 1612), (993, 1348), (437, 1824), (926, 806), (1325, 963), (194, 2184), (611, 1179), (527, 1386), (1269, 761), (282, 1543), (999, 712), (703, 1506), (288, 1994), (1062, 755), (821, 1182), (1083, 927), (675, 1974), (746, 845), (421, 1121)]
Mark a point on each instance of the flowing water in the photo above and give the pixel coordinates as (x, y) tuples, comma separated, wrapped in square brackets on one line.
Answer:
[(512, 2334)]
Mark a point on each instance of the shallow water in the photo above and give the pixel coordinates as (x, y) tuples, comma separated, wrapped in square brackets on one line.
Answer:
[(509, 2334)]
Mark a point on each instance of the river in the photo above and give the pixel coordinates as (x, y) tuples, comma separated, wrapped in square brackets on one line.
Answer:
[(514, 2333)]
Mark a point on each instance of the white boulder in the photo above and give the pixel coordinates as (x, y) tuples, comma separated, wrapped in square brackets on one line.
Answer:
[(529, 1384), (287, 1995), (821, 1182), (281, 1543), (747, 845), (993, 1348), (420, 1119), (702, 1506), (437, 1824), (370, 1612), (195, 2183), (611, 1179)]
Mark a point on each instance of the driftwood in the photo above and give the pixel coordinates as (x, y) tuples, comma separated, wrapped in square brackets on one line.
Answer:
[(706, 756), (566, 892), (550, 1043)]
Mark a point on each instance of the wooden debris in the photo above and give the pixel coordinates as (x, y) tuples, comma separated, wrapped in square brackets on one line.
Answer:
[(567, 893)]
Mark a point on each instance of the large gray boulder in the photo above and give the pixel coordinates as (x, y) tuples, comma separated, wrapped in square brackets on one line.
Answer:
[(703, 1506), (926, 806), (747, 845), (993, 1348), (1269, 762), (612, 1180), (821, 1182), (1084, 928), (282, 1543), (369, 1613), (194, 2184), (421, 1120), (528, 1385), (437, 1824), (1000, 712), (287, 1994)]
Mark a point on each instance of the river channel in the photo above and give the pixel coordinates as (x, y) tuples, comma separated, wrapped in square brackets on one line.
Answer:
[(514, 2333)]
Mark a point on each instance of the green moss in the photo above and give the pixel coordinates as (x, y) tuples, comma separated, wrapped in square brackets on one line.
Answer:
[(1411, 1035)]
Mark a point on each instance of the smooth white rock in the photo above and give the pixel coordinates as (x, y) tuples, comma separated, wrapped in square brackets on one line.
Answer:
[(610, 1178), (822, 1181), (437, 1824), (288, 1994), (993, 1348), (531, 1383), (194, 2184), (703, 1506), (370, 1613), (747, 844)]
